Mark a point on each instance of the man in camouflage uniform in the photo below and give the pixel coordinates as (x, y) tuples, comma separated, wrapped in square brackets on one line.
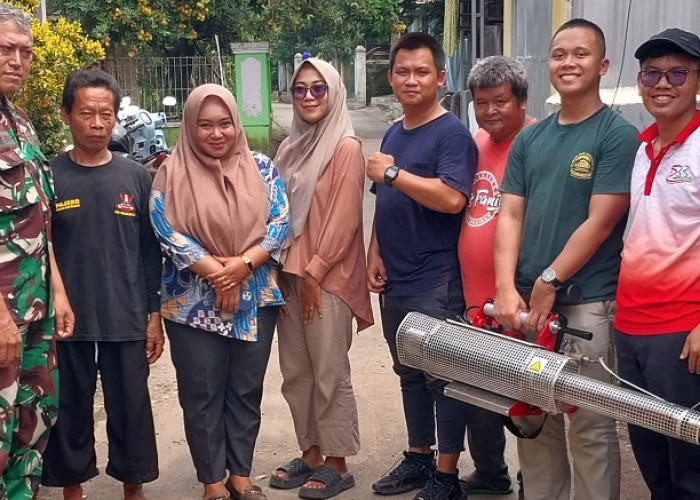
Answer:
[(28, 401)]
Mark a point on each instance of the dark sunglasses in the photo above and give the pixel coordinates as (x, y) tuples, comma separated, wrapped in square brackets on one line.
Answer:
[(317, 91), (674, 77)]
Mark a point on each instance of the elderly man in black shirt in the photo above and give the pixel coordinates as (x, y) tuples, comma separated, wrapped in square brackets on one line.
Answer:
[(111, 261)]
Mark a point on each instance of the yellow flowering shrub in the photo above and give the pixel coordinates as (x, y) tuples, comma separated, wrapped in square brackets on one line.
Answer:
[(60, 47), (135, 25)]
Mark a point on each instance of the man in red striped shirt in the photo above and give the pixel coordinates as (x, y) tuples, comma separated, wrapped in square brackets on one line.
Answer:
[(658, 297)]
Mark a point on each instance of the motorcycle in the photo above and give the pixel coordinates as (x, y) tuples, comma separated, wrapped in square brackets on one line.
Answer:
[(138, 135)]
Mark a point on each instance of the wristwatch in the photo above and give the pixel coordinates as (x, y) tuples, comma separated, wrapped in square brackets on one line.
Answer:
[(390, 174), (248, 263), (549, 276)]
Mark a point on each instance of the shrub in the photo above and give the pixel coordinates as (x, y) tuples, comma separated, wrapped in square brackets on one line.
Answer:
[(60, 47)]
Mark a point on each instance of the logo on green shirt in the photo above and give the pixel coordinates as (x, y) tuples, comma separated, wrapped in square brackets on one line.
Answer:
[(582, 166)]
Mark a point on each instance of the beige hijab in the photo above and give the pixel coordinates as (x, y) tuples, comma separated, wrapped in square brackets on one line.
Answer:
[(304, 155), (221, 203)]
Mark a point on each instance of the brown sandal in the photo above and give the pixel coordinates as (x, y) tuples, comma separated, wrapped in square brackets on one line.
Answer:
[(218, 496), (251, 492)]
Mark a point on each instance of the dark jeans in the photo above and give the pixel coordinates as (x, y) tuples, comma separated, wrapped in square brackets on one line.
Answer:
[(424, 401), (671, 468)]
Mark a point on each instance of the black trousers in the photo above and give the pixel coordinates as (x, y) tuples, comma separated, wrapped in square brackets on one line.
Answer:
[(670, 467), (70, 455), (220, 384)]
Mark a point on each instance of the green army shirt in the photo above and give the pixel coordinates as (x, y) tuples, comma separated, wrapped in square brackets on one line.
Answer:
[(26, 191)]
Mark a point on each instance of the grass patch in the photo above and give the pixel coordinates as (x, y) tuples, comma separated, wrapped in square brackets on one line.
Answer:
[(171, 135)]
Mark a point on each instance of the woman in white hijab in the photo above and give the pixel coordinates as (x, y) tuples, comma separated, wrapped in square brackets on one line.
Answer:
[(322, 166)]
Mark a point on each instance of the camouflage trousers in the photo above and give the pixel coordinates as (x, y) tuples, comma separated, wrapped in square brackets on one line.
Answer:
[(28, 408)]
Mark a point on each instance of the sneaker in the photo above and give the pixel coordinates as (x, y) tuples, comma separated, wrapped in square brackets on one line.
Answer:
[(477, 484), (441, 486), (411, 473)]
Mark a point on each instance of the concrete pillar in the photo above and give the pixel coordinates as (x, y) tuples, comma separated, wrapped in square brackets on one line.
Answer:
[(344, 77), (361, 76), (297, 60), (281, 76), (290, 74)]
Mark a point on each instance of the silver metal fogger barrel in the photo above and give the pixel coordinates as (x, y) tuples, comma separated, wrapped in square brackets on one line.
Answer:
[(511, 370)]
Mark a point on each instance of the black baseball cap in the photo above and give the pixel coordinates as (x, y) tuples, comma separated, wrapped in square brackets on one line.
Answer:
[(672, 38)]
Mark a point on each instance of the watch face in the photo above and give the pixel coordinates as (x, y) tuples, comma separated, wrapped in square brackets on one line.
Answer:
[(390, 174), (549, 275)]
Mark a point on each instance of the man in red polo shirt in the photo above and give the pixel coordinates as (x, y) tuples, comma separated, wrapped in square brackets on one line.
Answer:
[(499, 87), (658, 298)]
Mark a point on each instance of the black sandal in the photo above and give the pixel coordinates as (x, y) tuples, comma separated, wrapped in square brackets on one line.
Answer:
[(333, 481), (298, 472)]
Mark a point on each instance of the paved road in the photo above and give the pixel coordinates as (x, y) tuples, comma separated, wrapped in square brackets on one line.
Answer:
[(376, 387)]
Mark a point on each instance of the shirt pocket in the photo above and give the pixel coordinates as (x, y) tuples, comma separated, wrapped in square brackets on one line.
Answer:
[(17, 187)]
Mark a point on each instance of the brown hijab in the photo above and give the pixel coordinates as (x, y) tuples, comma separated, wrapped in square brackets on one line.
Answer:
[(221, 203), (304, 155)]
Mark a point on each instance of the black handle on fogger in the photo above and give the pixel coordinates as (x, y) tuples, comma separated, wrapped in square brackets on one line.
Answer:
[(559, 325)]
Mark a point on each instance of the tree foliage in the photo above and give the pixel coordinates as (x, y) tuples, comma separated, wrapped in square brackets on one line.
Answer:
[(331, 28), (238, 21), (60, 47), (431, 13), (186, 27), (132, 26)]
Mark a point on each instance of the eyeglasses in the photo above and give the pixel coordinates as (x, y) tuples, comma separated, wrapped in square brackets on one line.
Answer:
[(317, 91), (674, 77)]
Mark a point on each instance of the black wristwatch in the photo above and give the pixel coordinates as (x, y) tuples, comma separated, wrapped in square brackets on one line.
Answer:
[(390, 174), (549, 276)]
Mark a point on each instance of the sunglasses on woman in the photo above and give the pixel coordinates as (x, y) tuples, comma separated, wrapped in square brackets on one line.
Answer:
[(674, 77), (317, 91)]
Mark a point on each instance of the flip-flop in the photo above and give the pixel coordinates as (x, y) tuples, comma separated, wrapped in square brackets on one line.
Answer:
[(334, 483), (298, 472)]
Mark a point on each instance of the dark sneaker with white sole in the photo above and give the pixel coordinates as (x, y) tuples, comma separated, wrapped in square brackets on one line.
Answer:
[(441, 486), (411, 473)]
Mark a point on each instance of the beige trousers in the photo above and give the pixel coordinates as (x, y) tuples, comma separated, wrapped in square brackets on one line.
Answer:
[(316, 371), (592, 438)]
